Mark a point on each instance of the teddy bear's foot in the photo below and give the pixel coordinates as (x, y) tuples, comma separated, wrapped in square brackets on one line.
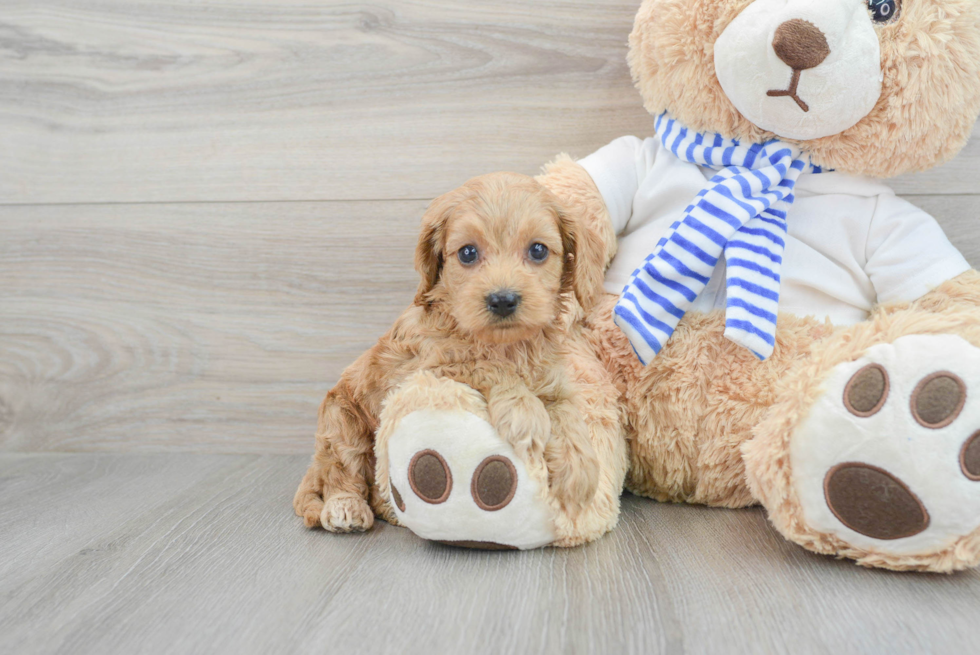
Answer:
[(454, 480), (887, 463), (451, 478)]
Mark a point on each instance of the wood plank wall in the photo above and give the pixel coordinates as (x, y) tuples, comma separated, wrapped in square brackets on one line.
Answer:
[(208, 209)]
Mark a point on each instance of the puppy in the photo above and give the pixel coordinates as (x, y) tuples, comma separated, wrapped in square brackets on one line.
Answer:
[(494, 311)]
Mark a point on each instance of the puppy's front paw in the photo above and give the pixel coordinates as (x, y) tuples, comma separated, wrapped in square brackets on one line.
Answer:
[(346, 513), (521, 420), (573, 473)]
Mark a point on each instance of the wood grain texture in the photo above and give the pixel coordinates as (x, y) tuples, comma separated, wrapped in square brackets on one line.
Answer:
[(195, 553), (203, 327), (209, 327), (134, 100), (141, 101)]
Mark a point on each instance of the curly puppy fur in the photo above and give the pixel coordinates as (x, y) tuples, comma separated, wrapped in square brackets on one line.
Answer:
[(929, 102), (544, 391)]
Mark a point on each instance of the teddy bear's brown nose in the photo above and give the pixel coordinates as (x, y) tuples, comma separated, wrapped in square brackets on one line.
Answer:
[(800, 44)]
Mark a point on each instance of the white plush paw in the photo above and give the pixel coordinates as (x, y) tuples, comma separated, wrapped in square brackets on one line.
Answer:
[(889, 458), (454, 480)]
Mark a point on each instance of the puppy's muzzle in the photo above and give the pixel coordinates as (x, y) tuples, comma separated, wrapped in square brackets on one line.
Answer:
[(503, 303)]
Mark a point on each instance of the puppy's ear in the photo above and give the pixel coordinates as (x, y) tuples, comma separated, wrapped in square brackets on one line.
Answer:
[(585, 272), (569, 243), (428, 253)]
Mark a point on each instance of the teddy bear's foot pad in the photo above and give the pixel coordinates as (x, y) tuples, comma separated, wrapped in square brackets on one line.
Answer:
[(873, 502), (889, 458), (455, 481)]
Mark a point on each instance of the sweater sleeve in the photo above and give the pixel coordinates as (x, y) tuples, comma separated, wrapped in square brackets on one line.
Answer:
[(616, 171), (908, 254)]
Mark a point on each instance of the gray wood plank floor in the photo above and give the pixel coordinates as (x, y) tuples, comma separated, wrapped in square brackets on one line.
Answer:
[(184, 553)]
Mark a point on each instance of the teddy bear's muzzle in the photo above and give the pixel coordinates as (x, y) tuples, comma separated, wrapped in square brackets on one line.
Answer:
[(800, 45), (824, 55)]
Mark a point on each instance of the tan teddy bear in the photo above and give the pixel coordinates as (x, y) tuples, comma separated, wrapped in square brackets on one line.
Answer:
[(826, 364), (780, 327)]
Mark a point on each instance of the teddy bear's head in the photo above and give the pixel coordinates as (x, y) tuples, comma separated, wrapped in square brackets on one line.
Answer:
[(870, 87)]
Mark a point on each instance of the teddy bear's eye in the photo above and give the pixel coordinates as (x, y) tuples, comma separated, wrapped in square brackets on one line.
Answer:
[(884, 11)]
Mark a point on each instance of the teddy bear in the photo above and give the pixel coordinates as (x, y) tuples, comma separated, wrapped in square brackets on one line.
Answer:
[(784, 329), (779, 327)]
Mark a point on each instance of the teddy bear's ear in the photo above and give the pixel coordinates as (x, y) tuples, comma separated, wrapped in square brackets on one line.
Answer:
[(428, 253)]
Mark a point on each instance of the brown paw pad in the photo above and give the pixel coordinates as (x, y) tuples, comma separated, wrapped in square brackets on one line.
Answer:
[(494, 483), (970, 457), (430, 477), (873, 502), (397, 497), (938, 400), (867, 391)]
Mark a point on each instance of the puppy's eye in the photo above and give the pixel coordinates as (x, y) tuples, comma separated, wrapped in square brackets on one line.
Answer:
[(468, 254), (884, 11), (538, 252)]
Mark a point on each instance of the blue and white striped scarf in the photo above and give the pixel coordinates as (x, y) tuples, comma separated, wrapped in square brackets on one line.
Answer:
[(740, 213)]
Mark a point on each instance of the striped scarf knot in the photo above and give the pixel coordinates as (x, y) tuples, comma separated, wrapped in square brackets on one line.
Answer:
[(740, 213)]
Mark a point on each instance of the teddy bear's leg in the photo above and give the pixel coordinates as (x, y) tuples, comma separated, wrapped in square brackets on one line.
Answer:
[(688, 412), (451, 478), (872, 449)]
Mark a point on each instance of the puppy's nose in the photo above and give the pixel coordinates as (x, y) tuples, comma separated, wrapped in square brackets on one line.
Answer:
[(503, 303), (800, 44)]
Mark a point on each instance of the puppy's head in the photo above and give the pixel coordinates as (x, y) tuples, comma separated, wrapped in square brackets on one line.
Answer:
[(498, 255)]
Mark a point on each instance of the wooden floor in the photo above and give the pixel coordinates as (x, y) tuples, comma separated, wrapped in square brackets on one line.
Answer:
[(188, 553), (207, 210)]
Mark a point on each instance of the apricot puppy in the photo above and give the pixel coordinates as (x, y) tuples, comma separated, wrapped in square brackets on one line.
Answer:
[(495, 310)]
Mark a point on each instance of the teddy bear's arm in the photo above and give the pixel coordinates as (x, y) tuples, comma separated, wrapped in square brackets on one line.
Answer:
[(908, 254), (961, 294)]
